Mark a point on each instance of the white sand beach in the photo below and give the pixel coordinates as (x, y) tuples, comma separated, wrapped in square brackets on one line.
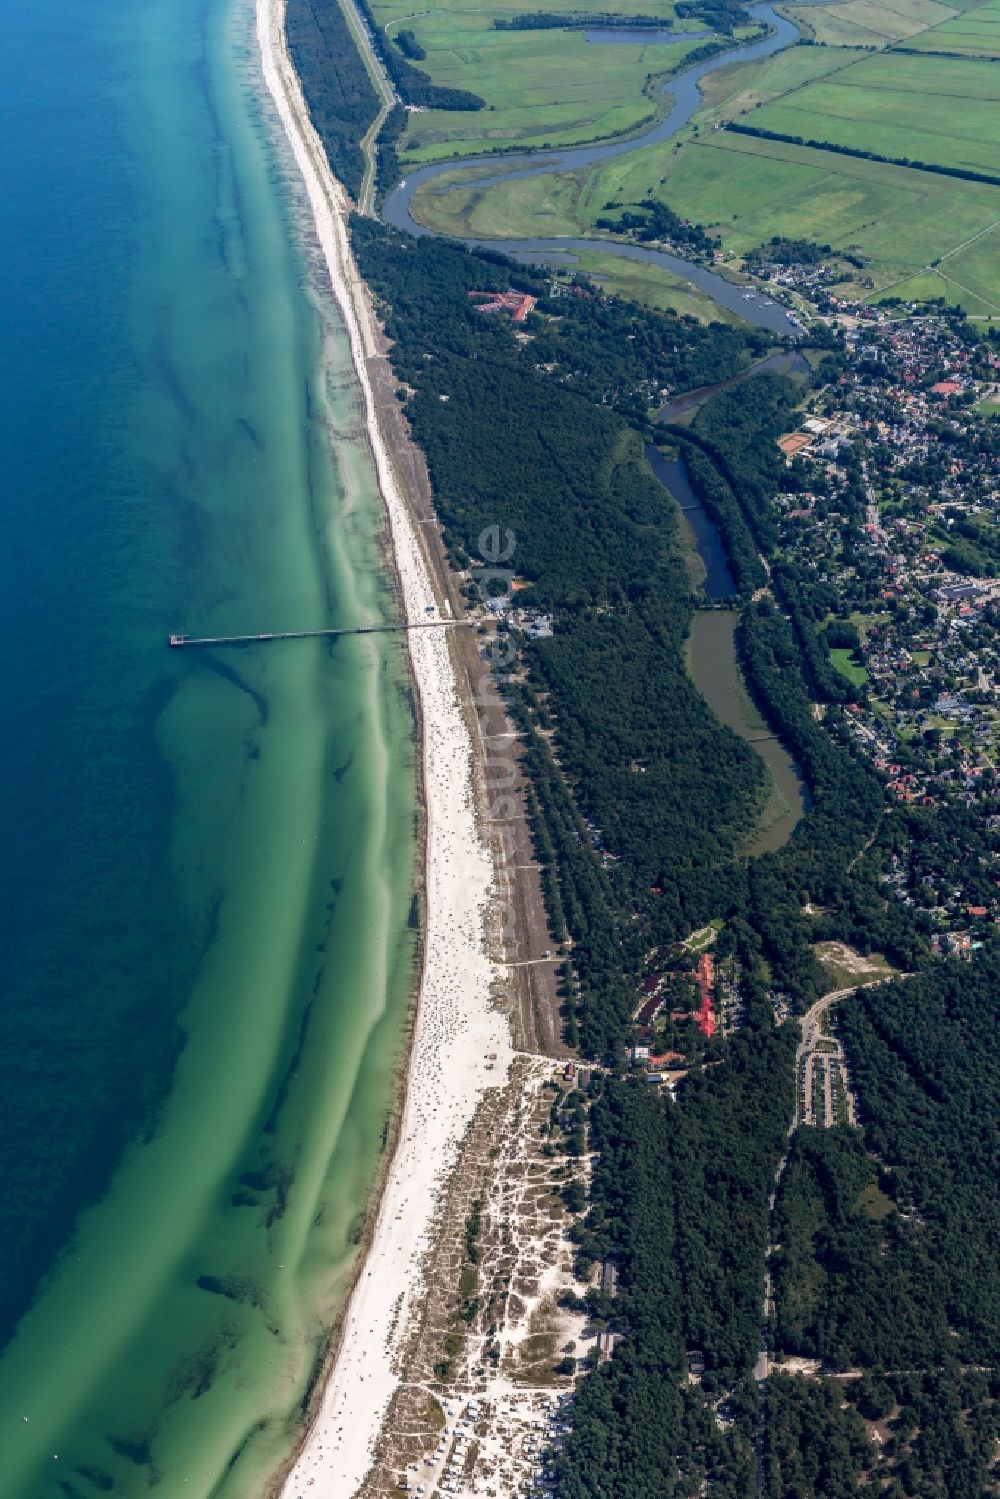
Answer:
[(456, 1027)]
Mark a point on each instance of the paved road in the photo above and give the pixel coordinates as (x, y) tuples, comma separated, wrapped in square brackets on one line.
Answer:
[(805, 1055), (387, 94)]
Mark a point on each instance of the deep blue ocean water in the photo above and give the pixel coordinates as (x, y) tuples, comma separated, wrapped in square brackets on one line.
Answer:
[(93, 966), (206, 859)]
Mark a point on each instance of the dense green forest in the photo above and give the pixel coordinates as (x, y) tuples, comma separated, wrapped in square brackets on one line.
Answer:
[(721, 15), (679, 1201), (650, 785), (930, 1081), (655, 221), (888, 1247), (937, 1435), (407, 43), (782, 251), (852, 1274), (342, 102), (640, 805), (815, 1445)]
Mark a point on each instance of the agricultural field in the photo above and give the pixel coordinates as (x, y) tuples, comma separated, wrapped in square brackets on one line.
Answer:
[(936, 109), (540, 87), (745, 189), (970, 277), (743, 86), (862, 23), (920, 234), (899, 221), (974, 34), (892, 215), (529, 206)]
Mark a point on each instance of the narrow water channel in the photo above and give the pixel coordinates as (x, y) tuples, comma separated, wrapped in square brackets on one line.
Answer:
[(715, 668), (782, 362), (719, 582), (717, 676)]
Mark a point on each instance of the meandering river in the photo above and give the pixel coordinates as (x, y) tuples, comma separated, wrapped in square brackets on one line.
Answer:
[(713, 661), (686, 96)]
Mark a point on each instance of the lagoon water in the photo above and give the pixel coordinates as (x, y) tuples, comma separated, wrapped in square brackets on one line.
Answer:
[(206, 940)]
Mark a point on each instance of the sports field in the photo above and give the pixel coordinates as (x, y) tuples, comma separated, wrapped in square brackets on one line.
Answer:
[(976, 33), (936, 109)]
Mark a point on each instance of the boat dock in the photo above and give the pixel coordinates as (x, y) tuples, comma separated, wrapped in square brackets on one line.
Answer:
[(176, 641)]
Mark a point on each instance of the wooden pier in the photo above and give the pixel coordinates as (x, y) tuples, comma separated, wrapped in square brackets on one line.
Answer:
[(176, 641)]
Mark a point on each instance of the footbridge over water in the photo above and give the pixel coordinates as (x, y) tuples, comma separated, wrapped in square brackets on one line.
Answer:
[(177, 641)]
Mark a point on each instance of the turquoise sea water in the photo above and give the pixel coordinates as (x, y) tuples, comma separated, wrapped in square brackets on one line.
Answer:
[(205, 952)]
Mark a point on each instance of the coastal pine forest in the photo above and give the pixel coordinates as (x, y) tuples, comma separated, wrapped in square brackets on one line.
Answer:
[(879, 1234), (545, 437)]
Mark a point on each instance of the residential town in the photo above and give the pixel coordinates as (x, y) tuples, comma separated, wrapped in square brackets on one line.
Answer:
[(891, 529)]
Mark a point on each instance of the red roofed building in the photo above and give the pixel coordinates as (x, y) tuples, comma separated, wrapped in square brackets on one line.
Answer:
[(517, 303), (706, 983), (666, 1057)]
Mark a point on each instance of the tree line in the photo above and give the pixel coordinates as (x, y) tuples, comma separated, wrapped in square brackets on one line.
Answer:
[(966, 173), (413, 84), (342, 102), (580, 20)]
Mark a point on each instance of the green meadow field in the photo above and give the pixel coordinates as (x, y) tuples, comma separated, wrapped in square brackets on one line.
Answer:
[(540, 87), (861, 24), (544, 205), (969, 277), (920, 234), (936, 109), (976, 33), (649, 284), (898, 220), (742, 86)]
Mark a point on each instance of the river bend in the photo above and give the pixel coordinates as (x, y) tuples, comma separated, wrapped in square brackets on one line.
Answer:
[(754, 308)]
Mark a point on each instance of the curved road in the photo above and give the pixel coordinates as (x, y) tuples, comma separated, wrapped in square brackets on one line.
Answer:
[(812, 1032), (513, 164)]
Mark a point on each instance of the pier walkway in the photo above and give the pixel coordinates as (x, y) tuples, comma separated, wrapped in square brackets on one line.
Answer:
[(176, 641)]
